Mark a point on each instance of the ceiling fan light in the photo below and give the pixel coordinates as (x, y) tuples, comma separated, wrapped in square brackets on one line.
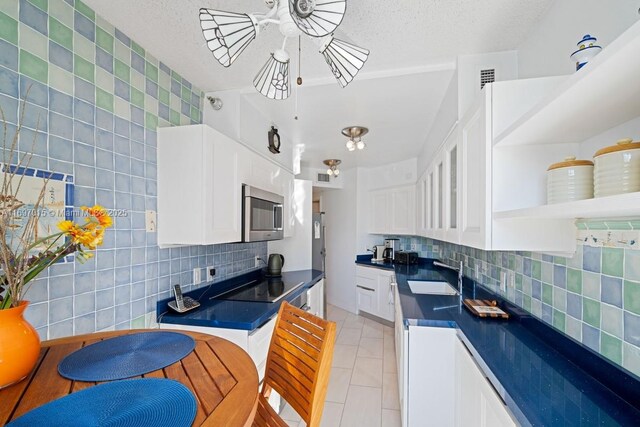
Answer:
[(227, 33), (318, 20), (360, 145), (273, 78), (344, 59)]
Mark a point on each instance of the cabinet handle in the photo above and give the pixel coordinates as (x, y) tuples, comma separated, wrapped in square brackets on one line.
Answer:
[(365, 288)]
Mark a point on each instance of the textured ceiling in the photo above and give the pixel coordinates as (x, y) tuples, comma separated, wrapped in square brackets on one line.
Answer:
[(398, 111), (399, 33)]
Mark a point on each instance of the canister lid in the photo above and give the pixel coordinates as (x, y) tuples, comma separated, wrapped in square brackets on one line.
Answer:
[(570, 161), (621, 145)]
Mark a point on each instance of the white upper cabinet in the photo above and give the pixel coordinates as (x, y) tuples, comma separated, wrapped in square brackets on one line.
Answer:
[(475, 225), (421, 205), (199, 188), (402, 203), (379, 212), (453, 161), (393, 210), (200, 177)]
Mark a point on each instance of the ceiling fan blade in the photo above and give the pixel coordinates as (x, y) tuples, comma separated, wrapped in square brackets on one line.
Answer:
[(320, 19), (344, 59), (273, 78), (227, 33)]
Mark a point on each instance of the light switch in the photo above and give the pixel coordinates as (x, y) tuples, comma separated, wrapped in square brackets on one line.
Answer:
[(150, 221)]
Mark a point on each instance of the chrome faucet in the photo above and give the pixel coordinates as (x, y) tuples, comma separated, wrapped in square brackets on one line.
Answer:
[(459, 270)]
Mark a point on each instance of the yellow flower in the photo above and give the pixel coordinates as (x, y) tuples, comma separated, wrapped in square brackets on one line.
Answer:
[(100, 214), (67, 226)]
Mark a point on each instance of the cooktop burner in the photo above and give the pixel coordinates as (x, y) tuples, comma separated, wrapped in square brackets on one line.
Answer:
[(267, 290)]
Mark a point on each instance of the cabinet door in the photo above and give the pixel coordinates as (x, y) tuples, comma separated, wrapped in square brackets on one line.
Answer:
[(386, 307), (223, 190), (431, 205), (476, 401), (379, 212), (367, 289), (315, 299), (367, 299), (402, 219), (431, 379), (476, 163), (453, 170), (401, 344), (467, 403), (421, 205)]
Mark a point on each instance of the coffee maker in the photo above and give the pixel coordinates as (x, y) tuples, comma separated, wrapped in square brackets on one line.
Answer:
[(391, 246)]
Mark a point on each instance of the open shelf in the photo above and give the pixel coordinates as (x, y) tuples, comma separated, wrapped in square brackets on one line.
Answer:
[(603, 94), (618, 206)]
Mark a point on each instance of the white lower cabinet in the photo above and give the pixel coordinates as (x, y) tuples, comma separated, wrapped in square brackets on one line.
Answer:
[(440, 383), (315, 299), (375, 292), (431, 373), (476, 401)]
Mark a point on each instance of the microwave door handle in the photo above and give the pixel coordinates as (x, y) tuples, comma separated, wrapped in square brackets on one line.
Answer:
[(277, 225)]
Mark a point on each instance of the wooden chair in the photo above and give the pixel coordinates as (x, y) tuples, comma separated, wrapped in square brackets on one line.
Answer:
[(298, 366)]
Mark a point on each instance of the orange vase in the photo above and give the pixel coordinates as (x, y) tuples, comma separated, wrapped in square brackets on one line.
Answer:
[(19, 345)]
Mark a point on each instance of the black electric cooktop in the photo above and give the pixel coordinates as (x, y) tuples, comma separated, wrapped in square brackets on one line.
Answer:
[(266, 290)]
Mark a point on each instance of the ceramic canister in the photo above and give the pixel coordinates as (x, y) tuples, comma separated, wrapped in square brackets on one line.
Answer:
[(617, 169), (569, 180)]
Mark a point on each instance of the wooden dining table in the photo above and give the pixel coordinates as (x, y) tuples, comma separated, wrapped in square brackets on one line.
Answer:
[(221, 376)]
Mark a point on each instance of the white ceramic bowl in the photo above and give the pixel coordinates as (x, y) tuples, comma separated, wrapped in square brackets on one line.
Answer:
[(617, 169), (569, 180)]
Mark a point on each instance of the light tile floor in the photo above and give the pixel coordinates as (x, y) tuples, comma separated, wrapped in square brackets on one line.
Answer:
[(363, 388)]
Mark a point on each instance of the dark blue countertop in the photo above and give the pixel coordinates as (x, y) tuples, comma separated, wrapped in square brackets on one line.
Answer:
[(218, 313), (548, 378)]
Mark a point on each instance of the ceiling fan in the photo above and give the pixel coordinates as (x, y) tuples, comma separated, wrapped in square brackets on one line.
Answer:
[(228, 34)]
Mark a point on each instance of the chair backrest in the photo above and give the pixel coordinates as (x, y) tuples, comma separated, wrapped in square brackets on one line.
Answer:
[(299, 361)]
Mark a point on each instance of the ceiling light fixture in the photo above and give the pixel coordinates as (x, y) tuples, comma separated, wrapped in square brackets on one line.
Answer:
[(355, 134), (333, 167), (228, 34)]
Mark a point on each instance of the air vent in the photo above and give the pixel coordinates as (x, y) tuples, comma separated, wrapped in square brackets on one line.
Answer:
[(487, 76), (323, 177)]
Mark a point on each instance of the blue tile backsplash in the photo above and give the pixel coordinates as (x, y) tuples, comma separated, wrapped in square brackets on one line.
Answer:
[(102, 130), (594, 296)]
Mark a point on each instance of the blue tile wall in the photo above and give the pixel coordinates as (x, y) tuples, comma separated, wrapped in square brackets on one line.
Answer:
[(103, 131)]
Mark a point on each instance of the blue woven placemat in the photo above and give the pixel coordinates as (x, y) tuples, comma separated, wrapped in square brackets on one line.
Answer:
[(126, 356), (139, 402)]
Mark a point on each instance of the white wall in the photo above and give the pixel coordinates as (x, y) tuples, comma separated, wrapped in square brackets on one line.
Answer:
[(297, 249), (340, 219), (546, 50), (242, 121), (469, 67)]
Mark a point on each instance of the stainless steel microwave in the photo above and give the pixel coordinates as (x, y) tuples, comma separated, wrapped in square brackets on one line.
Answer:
[(262, 215)]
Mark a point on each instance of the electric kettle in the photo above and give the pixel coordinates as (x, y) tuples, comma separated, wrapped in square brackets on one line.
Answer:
[(274, 266)]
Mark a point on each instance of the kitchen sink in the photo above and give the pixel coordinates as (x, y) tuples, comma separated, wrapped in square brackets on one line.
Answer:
[(431, 288)]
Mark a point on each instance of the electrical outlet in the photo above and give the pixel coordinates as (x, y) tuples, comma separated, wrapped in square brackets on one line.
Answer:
[(414, 247), (478, 272), (211, 272), (196, 276), (257, 262), (503, 281), (150, 221), (512, 279)]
